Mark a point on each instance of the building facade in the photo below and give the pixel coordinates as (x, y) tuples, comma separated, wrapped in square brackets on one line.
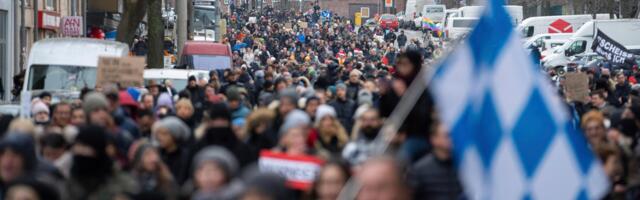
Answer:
[(7, 46)]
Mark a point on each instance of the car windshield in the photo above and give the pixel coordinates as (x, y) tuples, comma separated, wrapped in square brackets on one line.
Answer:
[(178, 84), (434, 10), (464, 23), (204, 18), (208, 62), (61, 77), (387, 17)]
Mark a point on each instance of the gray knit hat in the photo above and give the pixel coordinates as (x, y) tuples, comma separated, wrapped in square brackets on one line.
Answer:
[(94, 101), (178, 129), (295, 119), (220, 156)]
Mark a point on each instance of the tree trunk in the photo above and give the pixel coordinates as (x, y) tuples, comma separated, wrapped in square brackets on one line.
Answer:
[(155, 34), (637, 14), (133, 14)]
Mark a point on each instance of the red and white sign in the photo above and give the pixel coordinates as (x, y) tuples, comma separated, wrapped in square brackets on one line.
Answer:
[(71, 26), (48, 20), (560, 26), (388, 3), (300, 171)]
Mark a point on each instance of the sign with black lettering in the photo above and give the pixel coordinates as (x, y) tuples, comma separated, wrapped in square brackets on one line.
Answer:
[(300, 171), (610, 49), (126, 71)]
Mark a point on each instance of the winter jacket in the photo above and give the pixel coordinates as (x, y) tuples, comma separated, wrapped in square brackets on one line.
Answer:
[(435, 179), (345, 110)]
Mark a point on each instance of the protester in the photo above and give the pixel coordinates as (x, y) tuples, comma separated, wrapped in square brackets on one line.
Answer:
[(434, 175), (330, 181), (93, 175), (171, 134)]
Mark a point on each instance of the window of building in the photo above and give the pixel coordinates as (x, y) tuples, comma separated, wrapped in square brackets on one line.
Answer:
[(50, 4)]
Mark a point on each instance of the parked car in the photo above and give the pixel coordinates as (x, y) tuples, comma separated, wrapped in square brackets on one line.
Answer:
[(389, 21)]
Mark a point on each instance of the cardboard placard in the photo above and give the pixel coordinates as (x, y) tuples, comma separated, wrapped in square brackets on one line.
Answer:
[(126, 71), (300, 171), (577, 86), (288, 25), (303, 25)]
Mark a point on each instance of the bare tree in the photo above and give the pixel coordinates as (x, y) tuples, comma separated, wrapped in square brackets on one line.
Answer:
[(134, 12), (155, 34)]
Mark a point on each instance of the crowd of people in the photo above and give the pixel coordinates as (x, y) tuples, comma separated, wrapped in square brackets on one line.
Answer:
[(302, 84)]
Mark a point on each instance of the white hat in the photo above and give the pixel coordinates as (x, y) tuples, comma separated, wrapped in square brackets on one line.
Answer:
[(323, 111)]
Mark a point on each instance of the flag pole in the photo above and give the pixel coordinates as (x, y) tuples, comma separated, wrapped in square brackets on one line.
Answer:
[(398, 115)]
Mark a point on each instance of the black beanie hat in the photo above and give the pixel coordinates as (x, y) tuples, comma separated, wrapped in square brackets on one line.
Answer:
[(94, 137)]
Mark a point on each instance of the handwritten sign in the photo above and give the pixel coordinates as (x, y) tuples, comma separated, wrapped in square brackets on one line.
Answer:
[(300, 171), (577, 86), (71, 26), (126, 71)]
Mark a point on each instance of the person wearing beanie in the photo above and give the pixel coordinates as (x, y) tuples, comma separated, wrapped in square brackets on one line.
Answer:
[(214, 175), (171, 134), (164, 106), (262, 185), (365, 97), (294, 133), (345, 107), (93, 175), (95, 106), (151, 174), (354, 84), (331, 136), (196, 95), (17, 157), (40, 113), (236, 103)]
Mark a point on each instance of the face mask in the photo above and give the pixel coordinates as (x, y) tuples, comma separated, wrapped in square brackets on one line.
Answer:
[(370, 133), (87, 167)]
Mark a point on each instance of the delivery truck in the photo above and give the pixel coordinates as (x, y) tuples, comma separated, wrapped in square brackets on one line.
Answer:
[(555, 24), (623, 31)]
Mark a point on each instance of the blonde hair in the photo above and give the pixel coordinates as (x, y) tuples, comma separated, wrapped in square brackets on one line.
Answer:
[(592, 116), (22, 125), (184, 102)]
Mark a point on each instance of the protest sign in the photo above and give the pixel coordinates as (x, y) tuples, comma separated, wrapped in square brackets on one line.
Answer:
[(300, 171), (610, 49), (253, 20), (126, 71), (577, 86), (303, 25)]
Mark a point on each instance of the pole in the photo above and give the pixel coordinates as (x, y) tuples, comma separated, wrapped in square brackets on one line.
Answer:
[(181, 33), (35, 21), (23, 34), (84, 17)]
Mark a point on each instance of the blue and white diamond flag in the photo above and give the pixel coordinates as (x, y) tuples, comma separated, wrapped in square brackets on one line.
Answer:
[(512, 135)]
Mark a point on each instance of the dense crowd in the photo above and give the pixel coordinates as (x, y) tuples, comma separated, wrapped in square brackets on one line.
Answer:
[(302, 84)]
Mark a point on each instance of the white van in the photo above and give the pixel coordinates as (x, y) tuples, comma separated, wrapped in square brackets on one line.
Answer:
[(64, 66), (435, 13), (539, 39), (178, 77), (515, 12), (555, 24), (460, 26), (623, 31)]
